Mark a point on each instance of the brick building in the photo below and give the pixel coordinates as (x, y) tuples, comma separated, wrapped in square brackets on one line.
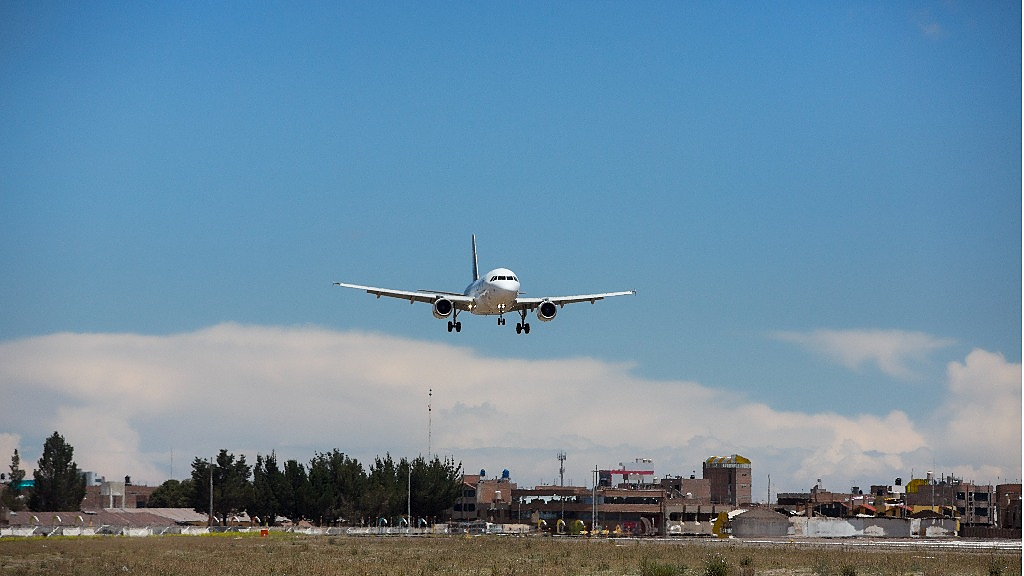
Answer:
[(730, 479), (483, 498)]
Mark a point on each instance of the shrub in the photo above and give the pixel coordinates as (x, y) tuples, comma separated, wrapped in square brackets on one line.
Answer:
[(648, 568), (716, 565), (822, 566)]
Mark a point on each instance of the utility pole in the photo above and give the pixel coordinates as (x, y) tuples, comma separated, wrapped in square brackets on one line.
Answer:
[(430, 397), (211, 492)]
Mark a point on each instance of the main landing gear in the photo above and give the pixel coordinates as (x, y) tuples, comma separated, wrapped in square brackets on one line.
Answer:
[(454, 323), (522, 326)]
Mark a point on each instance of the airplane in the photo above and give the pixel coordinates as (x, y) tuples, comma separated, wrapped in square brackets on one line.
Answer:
[(494, 293)]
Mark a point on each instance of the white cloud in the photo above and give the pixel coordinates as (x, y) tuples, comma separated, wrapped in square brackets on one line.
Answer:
[(8, 444), (980, 421), (892, 351), (125, 401)]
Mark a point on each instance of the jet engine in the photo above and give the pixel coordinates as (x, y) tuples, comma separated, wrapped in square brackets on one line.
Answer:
[(546, 311), (443, 308)]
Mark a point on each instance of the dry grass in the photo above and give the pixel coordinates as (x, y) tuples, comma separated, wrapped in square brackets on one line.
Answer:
[(300, 555)]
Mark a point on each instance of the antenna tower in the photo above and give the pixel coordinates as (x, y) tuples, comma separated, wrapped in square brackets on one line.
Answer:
[(561, 468), (430, 397)]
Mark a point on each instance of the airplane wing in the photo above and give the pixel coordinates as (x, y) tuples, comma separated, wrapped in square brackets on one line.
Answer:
[(531, 303), (461, 301)]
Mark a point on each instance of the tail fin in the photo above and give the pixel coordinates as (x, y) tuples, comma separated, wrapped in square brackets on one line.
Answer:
[(476, 268)]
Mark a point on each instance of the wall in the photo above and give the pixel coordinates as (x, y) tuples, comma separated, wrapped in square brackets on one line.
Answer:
[(873, 527)]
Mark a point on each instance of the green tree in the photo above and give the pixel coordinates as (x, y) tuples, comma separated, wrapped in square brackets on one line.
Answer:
[(60, 486), (172, 494), (435, 486), (270, 489), (232, 490), (337, 484), (383, 497), (295, 496), (202, 479), (13, 496)]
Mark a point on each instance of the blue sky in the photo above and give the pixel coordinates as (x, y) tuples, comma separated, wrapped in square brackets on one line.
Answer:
[(818, 204)]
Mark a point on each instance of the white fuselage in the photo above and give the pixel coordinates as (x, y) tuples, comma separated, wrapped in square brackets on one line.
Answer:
[(494, 293)]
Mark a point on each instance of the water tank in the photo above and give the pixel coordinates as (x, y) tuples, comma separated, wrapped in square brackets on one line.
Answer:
[(504, 474), (483, 473)]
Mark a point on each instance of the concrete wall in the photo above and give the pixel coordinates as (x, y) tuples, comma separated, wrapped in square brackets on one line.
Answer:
[(748, 526), (872, 527), (674, 528)]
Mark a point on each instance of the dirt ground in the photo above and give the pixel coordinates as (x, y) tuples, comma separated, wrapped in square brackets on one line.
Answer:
[(296, 554)]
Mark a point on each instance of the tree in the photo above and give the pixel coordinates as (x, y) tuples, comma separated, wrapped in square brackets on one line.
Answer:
[(386, 494), (172, 494), (269, 489), (337, 484), (232, 491), (202, 478), (295, 495), (435, 486), (60, 486), (13, 499)]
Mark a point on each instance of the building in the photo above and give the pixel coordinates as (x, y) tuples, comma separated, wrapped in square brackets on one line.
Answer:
[(760, 523), (638, 504), (483, 498), (973, 504), (103, 494), (1008, 501), (730, 479), (694, 490), (821, 502)]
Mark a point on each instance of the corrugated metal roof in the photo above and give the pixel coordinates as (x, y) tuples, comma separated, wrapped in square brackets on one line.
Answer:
[(727, 460), (110, 517)]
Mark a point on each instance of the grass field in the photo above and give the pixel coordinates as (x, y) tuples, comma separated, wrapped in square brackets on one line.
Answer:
[(295, 554)]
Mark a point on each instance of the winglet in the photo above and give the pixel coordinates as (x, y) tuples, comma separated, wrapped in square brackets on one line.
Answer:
[(476, 268)]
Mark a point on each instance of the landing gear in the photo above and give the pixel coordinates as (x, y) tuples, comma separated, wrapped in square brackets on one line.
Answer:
[(501, 321), (454, 323), (522, 326)]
